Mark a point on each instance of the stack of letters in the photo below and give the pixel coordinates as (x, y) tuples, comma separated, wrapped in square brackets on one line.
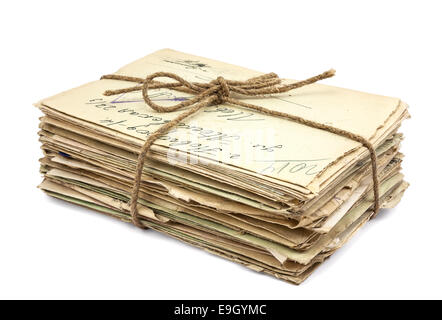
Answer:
[(273, 195)]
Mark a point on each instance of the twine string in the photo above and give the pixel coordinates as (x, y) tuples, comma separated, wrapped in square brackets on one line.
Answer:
[(217, 92)]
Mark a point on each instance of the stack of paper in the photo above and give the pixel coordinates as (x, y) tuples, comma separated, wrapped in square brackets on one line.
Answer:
[(274, 195)]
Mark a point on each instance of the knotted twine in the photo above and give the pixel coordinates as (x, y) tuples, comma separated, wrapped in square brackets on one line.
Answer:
[(218, 92)]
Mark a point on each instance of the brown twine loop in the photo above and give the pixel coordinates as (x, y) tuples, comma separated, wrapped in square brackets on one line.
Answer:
[(216, 92)]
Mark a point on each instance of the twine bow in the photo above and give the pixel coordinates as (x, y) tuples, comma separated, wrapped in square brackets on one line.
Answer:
[(216, 92)]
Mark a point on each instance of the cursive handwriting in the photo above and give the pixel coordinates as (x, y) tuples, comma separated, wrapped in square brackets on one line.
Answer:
[(308, 167), (234, 115)]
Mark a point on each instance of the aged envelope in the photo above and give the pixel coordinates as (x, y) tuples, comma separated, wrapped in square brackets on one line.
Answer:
[(231, 138)]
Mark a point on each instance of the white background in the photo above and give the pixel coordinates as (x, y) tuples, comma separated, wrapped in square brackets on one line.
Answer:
[(49, 249)]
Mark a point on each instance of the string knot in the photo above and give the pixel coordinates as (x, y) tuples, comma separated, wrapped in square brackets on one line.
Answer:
[(223, 92)]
